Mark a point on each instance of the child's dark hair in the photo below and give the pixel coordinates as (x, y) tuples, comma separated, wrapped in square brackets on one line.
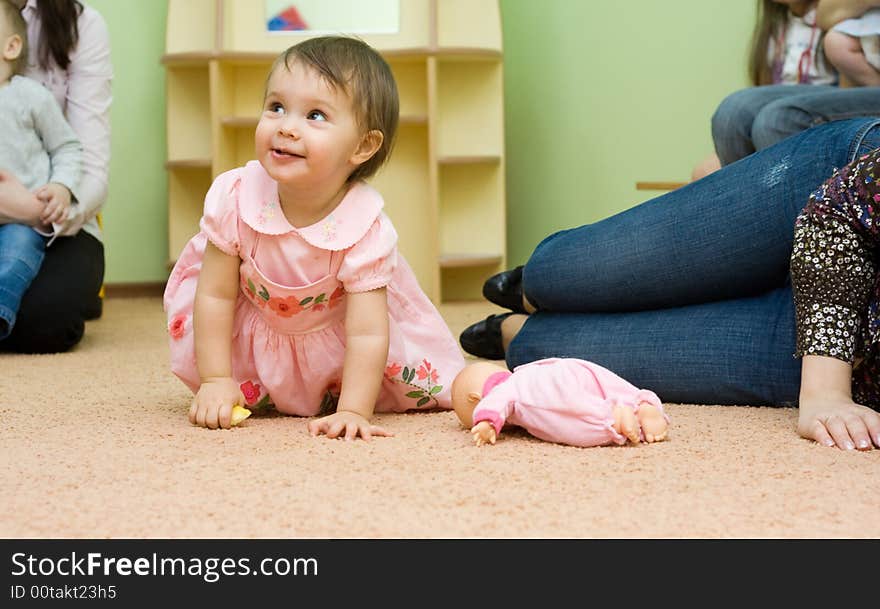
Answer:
[(12, 16), (362, 73)]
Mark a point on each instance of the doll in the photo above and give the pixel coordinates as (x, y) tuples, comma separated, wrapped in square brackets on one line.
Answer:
[(564, 400)]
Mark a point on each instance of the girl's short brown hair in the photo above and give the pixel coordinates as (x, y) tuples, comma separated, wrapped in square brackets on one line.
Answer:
[(361, 72)]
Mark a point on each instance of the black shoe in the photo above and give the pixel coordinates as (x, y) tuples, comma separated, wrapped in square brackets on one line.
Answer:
[(483, 338), (505, 290)]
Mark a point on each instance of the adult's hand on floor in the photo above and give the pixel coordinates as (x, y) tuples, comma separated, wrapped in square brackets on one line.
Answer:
[(838, 421)]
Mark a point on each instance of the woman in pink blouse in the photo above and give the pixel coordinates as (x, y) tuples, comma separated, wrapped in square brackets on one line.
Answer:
[(69, 53)]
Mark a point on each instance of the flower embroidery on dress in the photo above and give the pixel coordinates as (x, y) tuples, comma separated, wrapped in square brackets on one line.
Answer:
[(292, 305), (267, 212), (251, 391), (177, 327), (427, 391), (330, 225)]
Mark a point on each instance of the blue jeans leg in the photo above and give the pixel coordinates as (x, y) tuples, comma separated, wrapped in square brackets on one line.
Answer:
[(673, 288), (727, 352), (728, 235), (733, 119), (759, 117), (21, 253)]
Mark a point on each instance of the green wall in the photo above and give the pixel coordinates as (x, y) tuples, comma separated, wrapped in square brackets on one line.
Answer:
[(135, 216), (599, 95)]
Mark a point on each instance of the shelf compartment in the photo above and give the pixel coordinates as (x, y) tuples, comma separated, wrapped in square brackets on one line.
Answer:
[(190, 27), (470, 112), (188, 120), (472, 209), (412, 86), (465, 23), (187, 188), (465, 283), (404, 184)]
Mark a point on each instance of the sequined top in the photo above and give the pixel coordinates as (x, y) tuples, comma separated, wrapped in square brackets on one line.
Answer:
[(834, 274)]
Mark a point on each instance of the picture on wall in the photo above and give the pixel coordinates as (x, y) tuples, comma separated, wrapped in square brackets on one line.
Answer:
[(333, 16)]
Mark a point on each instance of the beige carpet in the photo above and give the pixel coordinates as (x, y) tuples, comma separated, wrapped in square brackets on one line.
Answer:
[(96, 443)]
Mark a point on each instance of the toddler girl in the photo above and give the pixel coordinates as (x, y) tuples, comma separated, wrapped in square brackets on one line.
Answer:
[(293, 292)]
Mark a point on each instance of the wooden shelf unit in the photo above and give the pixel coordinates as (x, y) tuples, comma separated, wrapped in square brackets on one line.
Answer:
[(444, 186)]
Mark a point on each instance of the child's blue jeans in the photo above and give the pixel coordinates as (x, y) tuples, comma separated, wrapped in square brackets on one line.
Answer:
[(21, 253), (688, 294)]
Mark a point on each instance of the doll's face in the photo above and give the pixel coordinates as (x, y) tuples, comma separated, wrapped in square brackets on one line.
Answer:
[(467, 389)]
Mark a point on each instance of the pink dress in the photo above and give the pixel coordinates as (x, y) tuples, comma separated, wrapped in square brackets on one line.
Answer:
[(563, 400), (288, 338)]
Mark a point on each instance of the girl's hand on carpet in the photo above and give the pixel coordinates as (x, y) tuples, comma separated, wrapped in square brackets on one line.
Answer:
[(838, 421), (351, 424), (212, 406)]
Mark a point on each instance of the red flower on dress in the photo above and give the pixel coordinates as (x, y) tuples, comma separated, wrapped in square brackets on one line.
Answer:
[(426, 371), (285, 307), (336, 297), (251, 391), (392, 370), (177, 327)]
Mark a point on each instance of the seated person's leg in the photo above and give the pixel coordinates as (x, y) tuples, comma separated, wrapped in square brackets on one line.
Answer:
[(783, 118), (733, 119), (728, 235), (726, 352), (51, 317), (21, 253)]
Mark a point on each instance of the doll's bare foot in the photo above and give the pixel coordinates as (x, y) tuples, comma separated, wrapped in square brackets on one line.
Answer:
[(653, 423), (626, 423)]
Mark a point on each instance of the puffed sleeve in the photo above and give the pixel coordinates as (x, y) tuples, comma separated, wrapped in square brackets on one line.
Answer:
[(220, 219), (833, 260), (370, 262)]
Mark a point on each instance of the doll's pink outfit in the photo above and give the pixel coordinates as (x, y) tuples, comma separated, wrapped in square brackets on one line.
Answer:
[(288, 341), (564, 400)]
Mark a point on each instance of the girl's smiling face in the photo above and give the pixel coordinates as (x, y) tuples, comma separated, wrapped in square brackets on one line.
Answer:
[(308, 134)]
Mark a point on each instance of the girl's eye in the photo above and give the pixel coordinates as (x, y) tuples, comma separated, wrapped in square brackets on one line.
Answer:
[(275, 108), (316, 115)]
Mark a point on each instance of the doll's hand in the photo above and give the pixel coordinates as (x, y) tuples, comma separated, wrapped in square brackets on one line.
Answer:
[(838, 421), (57, 199), (212, 406), (483, 433), (348, 424)]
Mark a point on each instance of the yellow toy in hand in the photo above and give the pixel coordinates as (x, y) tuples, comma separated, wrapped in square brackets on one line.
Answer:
[(239, 414)]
